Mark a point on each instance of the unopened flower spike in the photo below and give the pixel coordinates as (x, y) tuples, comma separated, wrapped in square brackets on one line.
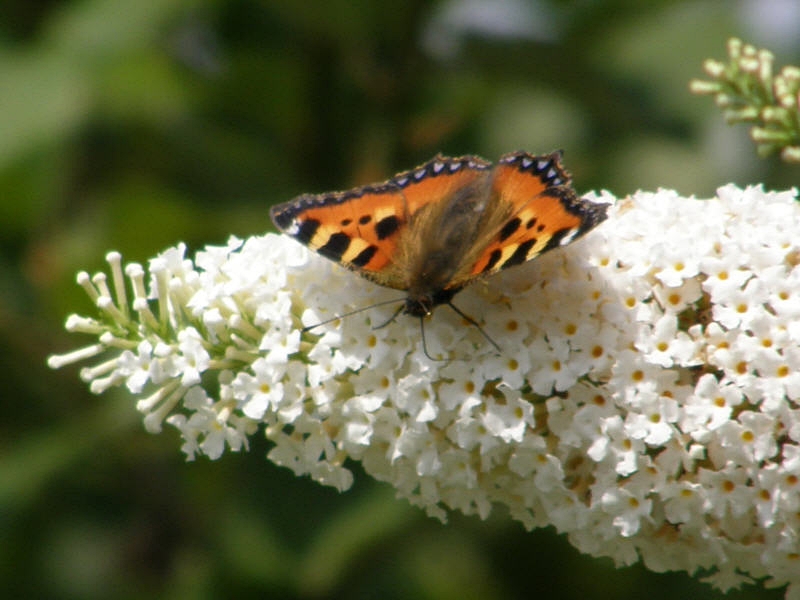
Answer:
[(748, 91)]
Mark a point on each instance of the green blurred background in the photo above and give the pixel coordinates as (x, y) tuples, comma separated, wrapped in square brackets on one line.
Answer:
[(135, 124)]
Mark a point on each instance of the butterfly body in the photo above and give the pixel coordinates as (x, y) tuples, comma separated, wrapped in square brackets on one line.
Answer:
[(433, 230)]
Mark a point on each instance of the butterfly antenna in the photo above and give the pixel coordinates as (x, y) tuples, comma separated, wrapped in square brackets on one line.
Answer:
[(472, 321), (355, 312)]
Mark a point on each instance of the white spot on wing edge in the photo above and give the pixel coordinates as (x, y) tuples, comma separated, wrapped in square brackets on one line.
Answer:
[(568, 237), (477, 165), (293, 228)]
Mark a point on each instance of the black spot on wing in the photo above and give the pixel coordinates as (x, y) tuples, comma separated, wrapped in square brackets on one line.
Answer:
[(306, 231), (386, 227), (509, 228), (364, 256), (335, 247), (493, 258), (520, 254)]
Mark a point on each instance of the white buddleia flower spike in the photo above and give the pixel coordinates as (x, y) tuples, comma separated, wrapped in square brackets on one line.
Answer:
[(646, 399)]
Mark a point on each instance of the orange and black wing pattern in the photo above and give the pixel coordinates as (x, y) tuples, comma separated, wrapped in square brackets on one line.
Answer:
[(545, 211), (360, 228)]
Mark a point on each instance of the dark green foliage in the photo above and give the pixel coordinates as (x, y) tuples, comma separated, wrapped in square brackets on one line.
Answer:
[(132, 125)]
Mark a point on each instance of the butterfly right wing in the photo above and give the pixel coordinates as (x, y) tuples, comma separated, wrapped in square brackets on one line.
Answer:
[(539, 211)]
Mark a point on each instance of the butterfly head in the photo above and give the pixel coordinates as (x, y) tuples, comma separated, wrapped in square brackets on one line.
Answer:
[(421, 304)]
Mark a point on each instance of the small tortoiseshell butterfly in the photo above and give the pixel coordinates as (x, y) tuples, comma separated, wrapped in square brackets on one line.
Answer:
[(435, 229)]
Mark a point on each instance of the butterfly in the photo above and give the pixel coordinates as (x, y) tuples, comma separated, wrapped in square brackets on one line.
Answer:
[(435, 229)]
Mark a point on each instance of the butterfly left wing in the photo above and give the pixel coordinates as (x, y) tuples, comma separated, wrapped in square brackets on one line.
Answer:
[(544, 213), (360, 228), (356, 228)]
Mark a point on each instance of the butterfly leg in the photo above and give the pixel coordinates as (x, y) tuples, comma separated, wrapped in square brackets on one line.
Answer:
[(472, 321), (425, 343)]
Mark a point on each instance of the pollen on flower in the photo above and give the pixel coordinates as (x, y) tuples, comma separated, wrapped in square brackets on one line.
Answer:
[(512, 325), (742, 367), (728, 486), (747, 436)]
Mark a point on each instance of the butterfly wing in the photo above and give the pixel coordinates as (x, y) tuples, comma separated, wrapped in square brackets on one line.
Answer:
[(356, 228), (360, 228), (540, 211)]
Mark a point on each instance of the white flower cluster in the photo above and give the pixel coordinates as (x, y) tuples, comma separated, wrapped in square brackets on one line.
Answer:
[(645, 400)]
